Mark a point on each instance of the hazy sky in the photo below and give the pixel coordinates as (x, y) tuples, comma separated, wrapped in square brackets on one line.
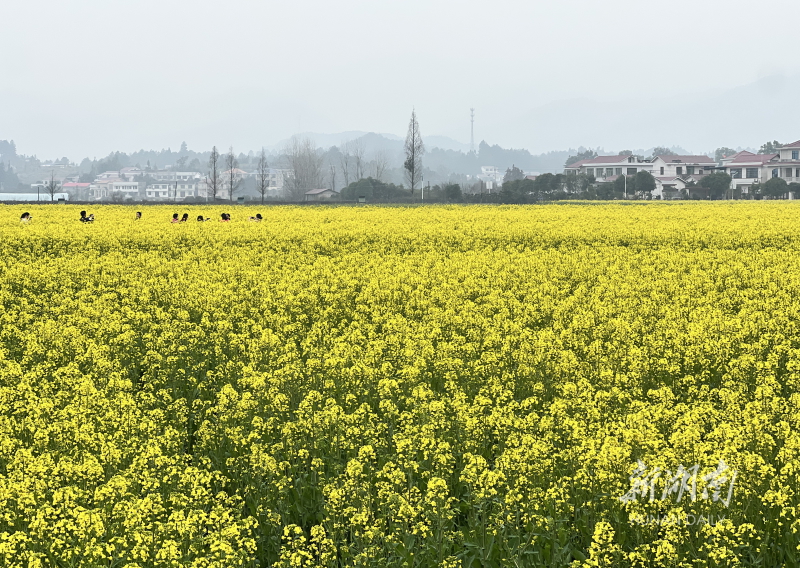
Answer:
[(85, 77)]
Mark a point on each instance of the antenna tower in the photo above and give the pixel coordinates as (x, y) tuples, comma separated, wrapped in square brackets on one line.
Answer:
[(472, 130)]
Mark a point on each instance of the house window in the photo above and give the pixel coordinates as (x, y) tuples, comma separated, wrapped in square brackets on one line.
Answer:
[(690, 170), (631, 171), (797, 173), (679, 170), (662, 171), (795, 154), (618, 171), (736, 173), (752, 173), (609, 172), (589, 171), (775, 173), (788, 172)]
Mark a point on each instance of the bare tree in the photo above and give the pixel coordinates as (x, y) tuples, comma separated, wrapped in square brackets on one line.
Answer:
[(305, 168), (52, 186), (357, 147), (262, 175), (213, 181), (344, 161), (380, 163), (414, 149), (333, 177), (233, 181)]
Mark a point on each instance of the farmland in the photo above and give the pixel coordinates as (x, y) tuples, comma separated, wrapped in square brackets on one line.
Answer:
[(441, 386)]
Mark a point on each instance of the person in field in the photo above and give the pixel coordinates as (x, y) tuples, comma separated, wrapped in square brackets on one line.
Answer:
[(138, 215), (185, 218), (257, 218), (175, 218), (225, 218), (200, 218), (84, 218), (25, 218)]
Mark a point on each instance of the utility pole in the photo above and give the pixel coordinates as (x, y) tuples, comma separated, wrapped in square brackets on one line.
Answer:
[(472, 130)]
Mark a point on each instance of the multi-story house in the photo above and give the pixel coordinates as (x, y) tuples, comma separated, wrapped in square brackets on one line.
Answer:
[(177, 190), (787, 164), (747, 169), (682, 166), (131, 173), (169, 175), (491, 176), (128, 189), (607, 168)]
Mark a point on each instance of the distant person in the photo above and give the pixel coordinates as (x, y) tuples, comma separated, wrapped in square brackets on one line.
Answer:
[(225, 218), (175, 218), (90, 218), (257, 218), (200, 218), (185, 218), (25, 217), (138, 215), (84, 218)]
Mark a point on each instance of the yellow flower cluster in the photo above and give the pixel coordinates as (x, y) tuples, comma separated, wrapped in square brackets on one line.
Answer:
[(400, 387)]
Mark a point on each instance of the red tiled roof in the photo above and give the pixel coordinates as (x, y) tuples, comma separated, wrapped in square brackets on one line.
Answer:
[(601, 160), (792, 145), (577, 164), (606, 160), (316, 191), (742, 153), (687, 159), (743, 158)]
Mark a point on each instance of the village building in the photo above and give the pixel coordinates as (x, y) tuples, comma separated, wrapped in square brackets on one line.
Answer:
[(607, 168), (321, 195)]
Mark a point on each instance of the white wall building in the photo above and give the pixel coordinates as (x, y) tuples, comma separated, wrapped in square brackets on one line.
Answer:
[(169, 175), (178, 190), (128, 189), (491, 176), (682, 166), (607, 168)]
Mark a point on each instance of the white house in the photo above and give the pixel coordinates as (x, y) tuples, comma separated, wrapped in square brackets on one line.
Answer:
[(491, 176), (746, 169), (787, 163), (607, 168), (128, 189), (130, 173), (669, 187), (177, 190), (682, 166), (169, 175)]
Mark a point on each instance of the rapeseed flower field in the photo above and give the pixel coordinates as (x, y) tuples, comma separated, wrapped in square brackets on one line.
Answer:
[(582, 384)]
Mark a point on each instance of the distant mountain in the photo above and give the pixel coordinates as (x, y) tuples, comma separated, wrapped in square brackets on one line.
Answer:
[(325, 141), (373, 139), (445, 143)]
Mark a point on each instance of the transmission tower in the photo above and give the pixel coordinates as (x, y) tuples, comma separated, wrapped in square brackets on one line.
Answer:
[(472, 130)]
